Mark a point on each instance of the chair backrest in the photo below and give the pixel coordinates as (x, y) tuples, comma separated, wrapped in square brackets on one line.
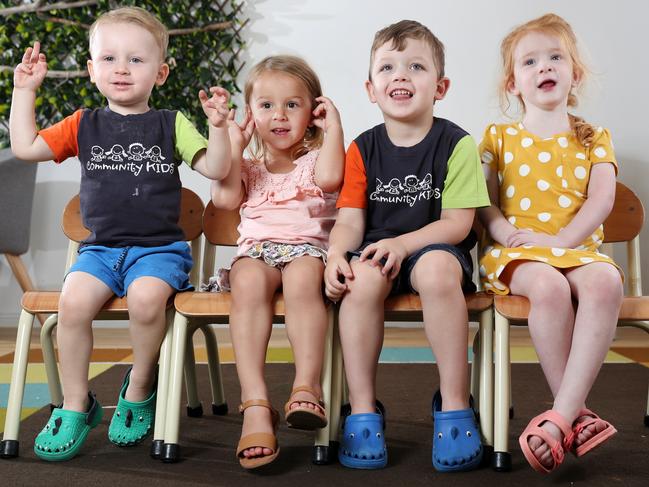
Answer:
[(191, 213), (220, 226), (626, 218)]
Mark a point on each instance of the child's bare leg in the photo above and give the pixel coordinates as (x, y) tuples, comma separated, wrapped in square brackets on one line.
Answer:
[(598, 290), (437, 277), (147, 302), (82, 297), (361, 333), (253, 285), (550, 322), (306, 322)]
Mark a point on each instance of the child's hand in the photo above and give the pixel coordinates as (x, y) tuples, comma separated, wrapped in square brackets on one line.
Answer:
[(337, 269), (389, 250), (522, 237), (215, 108), (325, 115), (29, 74), (240, 134)]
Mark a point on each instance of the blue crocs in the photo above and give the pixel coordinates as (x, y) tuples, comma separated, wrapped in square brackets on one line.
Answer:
[(456, 438), (363, 444)]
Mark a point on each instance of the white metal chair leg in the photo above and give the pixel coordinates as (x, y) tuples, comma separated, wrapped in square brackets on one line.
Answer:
[(501, 458), (486, 380), (9, 444), (163, 388), (194, 406), (219, 404), (321, 454), (171, 448), (49, 360), (475, 371), (338, 389)]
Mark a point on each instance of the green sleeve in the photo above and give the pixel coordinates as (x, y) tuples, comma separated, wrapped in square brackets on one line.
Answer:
[(188, 140), (465, 185)]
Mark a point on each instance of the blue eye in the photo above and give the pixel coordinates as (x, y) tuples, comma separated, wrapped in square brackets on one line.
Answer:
[(136, 60), (385, 67), (417, 67), (109, 58), (556, 57), (529, 62)]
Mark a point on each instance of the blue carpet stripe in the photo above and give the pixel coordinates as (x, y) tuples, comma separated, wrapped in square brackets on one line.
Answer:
[(406, 355), (36, 395)]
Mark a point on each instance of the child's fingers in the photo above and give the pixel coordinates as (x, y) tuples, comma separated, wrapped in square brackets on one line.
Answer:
[(378, 255), (366, 252), (202, 96), (220, 93), (35, 52), (27, 55), (231, 114)]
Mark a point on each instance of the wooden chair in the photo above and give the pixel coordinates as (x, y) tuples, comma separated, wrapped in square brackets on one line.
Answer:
[(622, 225), (46, 302), (199, 309)]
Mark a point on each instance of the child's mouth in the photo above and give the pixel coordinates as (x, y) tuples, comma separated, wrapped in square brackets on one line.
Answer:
[(547, 84), (400, 94), (280, 131)]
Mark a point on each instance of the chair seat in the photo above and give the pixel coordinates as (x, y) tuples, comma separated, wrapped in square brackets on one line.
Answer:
[(48, 302), (216, 305), (407, 307), (517, 308)]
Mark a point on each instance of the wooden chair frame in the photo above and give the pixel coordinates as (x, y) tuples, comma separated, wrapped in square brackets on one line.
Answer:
[(622, 225), (46, 302)]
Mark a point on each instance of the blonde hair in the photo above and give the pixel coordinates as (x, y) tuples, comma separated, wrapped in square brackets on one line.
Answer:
[(299, 69), (553, 25), (400, 32), (137, 16)]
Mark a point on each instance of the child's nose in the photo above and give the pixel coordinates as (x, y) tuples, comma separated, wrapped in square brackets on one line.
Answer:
[(279, 114), (121, 67)]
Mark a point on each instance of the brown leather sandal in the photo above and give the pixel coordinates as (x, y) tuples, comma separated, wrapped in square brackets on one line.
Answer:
[(262, 440), (303, 417)]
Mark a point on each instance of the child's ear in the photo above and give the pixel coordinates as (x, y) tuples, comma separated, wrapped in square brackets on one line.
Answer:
[(90, 70), (511, 88), (443, 84), (163, 72), (369, 87)]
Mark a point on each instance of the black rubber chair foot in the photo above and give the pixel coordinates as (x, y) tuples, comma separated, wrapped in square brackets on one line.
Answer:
[(170, 453), (325, 455), (220, 409), (646, 420), (196, 412), (511, 412), (9, 448), (501, 461), (156, 449), (54, 406)]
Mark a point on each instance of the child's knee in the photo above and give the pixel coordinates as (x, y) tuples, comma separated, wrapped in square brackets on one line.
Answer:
[(437, 273), (146, 307), (551, 289), (368, 283)]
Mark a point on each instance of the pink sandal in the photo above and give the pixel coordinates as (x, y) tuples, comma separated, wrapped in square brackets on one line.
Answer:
[(556, 446), (597, 439)]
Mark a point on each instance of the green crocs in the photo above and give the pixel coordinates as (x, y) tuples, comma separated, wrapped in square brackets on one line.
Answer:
[(66, 431), (132, 422)]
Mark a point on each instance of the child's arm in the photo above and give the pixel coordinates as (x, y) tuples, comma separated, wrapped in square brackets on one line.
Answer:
[(491, 217), (26, 144), (228, 192), (346, 235), (330, 166), (215, 162), (452, 227), (601, 196)]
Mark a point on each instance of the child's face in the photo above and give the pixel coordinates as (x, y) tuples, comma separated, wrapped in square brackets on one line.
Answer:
[(125, 66), (405, 84), (543, 74), (281, 108)]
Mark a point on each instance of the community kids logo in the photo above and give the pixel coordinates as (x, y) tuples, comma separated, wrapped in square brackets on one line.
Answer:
[(409, 191), (134, 159)]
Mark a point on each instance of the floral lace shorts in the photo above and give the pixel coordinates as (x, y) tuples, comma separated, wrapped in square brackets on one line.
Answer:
[(272, 253)]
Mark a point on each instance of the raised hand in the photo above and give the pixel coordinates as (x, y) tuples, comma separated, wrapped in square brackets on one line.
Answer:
[(240, 134), (216, 107), (326, 115), (29, 74)]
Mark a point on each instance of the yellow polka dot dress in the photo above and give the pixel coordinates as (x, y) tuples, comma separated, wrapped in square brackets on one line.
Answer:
[(543, 184)]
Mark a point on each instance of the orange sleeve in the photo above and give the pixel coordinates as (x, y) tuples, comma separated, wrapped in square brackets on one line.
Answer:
[(62, 137), (354, 191)]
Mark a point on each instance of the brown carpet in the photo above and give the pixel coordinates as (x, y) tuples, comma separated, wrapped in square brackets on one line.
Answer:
[(208, 443)]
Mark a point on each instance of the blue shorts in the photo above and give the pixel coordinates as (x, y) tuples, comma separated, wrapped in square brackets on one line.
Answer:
[(402, 284), (118, 267)]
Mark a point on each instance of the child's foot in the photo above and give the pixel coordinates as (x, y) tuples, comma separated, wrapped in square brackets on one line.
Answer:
[(543, 441), (133, 420), (258, 443), (589, 431), (305, 409)]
